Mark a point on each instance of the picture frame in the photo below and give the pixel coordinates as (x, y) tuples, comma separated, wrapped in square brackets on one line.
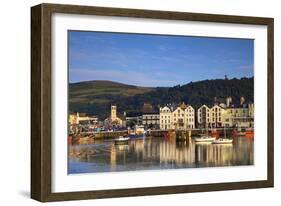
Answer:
[(41, 101)]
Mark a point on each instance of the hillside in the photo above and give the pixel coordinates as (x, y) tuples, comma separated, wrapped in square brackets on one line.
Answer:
[(95, 97)]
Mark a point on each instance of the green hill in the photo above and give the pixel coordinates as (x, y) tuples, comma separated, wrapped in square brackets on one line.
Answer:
[(95, 97)]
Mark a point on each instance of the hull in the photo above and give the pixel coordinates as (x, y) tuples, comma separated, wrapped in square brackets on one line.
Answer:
[(121, 140), (205, 139), (223, 141), (136, 136)]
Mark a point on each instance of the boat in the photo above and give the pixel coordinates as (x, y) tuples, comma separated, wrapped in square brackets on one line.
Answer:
[(134, 135), (121, 140), (204, 138), (138, 132), (249, 132), (223, 141)]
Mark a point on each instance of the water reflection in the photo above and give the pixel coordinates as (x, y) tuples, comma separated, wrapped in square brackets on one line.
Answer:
[(157, 153)]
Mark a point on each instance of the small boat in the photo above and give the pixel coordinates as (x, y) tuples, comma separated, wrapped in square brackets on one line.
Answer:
[(121, 140), (134, 135), (138, 132), (223, 141), (249, 133), (204, 139)]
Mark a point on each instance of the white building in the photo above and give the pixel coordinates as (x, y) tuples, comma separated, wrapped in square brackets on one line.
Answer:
[(113, 119), (179, 117), (82, 118), (226, 116)]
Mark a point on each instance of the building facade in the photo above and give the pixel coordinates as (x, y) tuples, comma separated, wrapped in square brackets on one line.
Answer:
[(211, 117), (242, 116), (151, 120), (113, 119), (226, 116), (150, 117), (180, 117), (82, 118)]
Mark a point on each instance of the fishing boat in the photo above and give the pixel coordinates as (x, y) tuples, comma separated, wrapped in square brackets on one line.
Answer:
[(249, 132), (204, 138), (223, 140), (121, 140), (138, 132)]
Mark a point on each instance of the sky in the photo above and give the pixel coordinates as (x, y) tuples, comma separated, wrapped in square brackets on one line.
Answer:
[(156, 60)]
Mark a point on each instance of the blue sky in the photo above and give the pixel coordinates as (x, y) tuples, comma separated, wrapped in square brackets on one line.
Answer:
[(156, 60)]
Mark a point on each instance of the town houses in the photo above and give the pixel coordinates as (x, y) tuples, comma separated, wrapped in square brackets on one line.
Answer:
[(174, 116), (218, 115), (181, 116), (226, 115)]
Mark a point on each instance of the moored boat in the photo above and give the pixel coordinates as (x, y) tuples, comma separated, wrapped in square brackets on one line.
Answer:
[(204, 139), (121, 140), (223, 141), (138, 132), (134, 135), (249, 132)]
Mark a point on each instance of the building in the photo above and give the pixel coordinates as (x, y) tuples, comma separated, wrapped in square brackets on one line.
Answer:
[(177, 117), (113, 119), (151, 120), (211, 117), (150, 117), (241, 116), (82, 118), (132, 121), (226, 115)]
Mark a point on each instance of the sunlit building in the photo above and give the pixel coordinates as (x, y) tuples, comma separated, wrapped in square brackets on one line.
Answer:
[(113, 119), (177, 117), (226, 115), (82, 118)]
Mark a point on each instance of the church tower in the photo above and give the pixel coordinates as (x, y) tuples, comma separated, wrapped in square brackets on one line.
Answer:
[(113, 112)]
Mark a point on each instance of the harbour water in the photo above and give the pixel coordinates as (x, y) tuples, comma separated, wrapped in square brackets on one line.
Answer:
[(155, 153)]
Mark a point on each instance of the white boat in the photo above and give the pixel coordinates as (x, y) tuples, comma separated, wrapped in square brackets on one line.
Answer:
[(205, 139), (223, 141), (121, 140)]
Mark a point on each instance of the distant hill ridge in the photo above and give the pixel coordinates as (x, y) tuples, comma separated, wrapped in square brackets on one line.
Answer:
[(95, 97)]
